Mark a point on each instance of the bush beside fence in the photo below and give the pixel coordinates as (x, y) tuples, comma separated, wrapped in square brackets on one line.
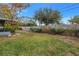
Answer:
[(66, 32)]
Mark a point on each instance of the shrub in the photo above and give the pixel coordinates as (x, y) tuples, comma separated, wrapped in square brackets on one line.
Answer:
[(35, 29), (31, 24), (67, 32), (46, 29), (57, 31), (10, 26), (19, 28)]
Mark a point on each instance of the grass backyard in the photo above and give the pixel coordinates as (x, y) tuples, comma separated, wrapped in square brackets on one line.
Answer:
[(38, 44)]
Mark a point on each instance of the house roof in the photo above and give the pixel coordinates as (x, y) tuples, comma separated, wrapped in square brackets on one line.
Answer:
[(7, 19), (3, 19)]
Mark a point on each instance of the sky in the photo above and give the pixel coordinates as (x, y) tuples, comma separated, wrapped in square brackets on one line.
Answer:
[(67, 10)]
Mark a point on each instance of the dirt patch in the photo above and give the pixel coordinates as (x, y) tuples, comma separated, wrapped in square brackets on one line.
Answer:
[(70, 40)]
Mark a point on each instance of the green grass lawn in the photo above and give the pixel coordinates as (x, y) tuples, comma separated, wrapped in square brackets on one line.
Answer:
[(37, 44)]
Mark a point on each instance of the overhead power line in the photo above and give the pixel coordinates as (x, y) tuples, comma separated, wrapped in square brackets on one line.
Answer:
[(70, 9), (66, 7)]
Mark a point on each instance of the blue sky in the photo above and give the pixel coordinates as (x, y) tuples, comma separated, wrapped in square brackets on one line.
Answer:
[(62, 7)]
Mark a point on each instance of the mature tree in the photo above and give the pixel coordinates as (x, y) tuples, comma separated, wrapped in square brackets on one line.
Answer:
[(47, 16), (17, 8), (11, 11), (75, 21), (5, 12)]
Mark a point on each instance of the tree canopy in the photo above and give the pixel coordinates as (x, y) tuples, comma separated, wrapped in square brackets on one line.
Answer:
[(11, 10), (75, 20), (47, 16)]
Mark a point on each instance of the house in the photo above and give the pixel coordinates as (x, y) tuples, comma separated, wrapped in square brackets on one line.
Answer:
[(2, 30)]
